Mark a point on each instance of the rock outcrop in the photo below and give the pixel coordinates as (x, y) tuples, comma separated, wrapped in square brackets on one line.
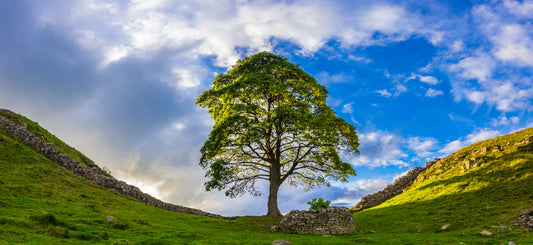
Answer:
[(393, 189), (527, 219), (328, 221), (92, 174)]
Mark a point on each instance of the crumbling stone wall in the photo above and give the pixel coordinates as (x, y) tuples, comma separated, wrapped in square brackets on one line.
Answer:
[(330, 221), (90, 173), (393, 189)]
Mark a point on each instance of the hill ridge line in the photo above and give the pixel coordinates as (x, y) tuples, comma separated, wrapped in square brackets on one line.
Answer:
[(392, 190), (91, 174)]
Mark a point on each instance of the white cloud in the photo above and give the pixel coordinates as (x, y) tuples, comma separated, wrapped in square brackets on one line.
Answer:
[(384, 93), (485, 71), (325, 78), (452, 147), (186, 78), (347, 108), (480, 135), (380, 149), (428, 79), (433, 92), (503, 120), (476, 136), (521, 9), (422, 146), (514, 44), (179, 126), (479, 67)]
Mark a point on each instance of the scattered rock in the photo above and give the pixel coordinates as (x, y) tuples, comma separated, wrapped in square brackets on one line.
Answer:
[(486, 233), (527, 219), (525, 141), (444, 227), (511, 243), (281, 242), (273, 228), (111, 218)]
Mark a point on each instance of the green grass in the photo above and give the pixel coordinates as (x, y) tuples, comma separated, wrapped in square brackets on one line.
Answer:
[(49, 138), (42, 203), (489, 197)]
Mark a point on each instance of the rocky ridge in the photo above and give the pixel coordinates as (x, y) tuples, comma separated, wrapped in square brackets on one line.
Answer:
[(92, 174), (393, 189)]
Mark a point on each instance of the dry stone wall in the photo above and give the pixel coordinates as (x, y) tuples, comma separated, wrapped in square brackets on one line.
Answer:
[(393, 189), (92, 174), (330, 221)]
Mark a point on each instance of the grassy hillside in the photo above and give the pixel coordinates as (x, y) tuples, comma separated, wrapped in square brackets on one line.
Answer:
[(484, 186), (42, 203)]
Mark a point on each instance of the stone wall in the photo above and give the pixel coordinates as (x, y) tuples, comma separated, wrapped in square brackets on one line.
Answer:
[(391, 190), (92, 174), (330, 221)]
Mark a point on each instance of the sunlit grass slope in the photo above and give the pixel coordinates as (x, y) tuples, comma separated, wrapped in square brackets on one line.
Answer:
[(484, 186)]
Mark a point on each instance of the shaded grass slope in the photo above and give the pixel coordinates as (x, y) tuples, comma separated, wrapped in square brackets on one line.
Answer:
[(484, 186)]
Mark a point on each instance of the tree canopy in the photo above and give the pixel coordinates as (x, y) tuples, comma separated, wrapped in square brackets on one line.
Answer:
[(272, 123)]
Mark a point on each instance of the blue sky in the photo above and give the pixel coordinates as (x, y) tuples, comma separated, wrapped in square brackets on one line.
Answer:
[(118, 80)]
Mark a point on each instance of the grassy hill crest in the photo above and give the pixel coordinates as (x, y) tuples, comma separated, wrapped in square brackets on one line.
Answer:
[(486, 185)]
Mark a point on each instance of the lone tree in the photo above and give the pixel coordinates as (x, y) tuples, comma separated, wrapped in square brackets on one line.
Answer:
[(272, 123)]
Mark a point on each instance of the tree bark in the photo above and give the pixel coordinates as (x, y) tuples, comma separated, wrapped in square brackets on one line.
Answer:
[(273, 210), (275, 182)]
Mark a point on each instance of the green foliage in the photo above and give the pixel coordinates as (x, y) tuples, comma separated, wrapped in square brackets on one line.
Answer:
[(317, 204), (272, 123)]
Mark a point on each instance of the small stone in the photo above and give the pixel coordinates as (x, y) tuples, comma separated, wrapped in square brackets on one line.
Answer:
[(111, 218), (419, 230), (281, 242), (444, 227), (486, 233), (273, 228), (511, 243)]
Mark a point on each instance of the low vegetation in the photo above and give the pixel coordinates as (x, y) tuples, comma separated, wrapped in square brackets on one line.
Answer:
[(42, 203)]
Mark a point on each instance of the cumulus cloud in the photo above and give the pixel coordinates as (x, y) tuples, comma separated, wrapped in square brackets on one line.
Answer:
[(425, 79), (384, 93), (476, 136), (380, 149), (479, 67), (433, 92), (483, 73), (347, 108), (422, 146), (503, 120)]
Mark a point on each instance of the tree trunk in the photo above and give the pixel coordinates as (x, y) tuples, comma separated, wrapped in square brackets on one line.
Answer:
[(275, 182), (273, 210)]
